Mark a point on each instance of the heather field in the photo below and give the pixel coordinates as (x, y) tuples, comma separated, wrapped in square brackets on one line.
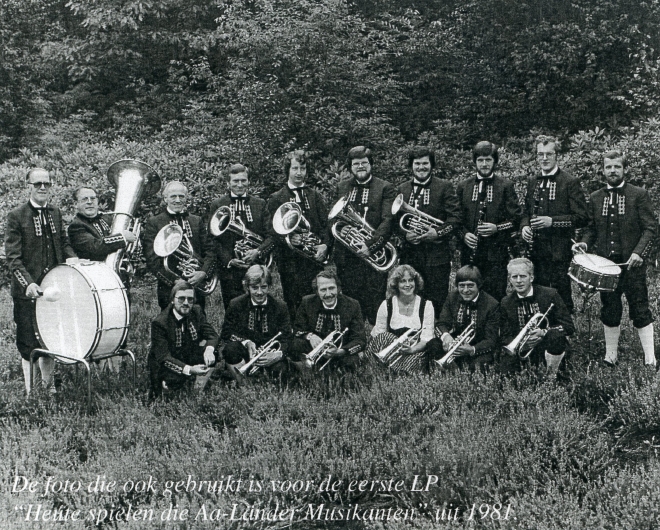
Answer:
[(371, 450)]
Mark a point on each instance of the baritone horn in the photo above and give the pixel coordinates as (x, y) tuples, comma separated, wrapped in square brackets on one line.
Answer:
[(517, 345), (179, 258), (272, 346), (288, 220), (414, 221), (351, 230), (464, 338), (334, 339), (223, 220)]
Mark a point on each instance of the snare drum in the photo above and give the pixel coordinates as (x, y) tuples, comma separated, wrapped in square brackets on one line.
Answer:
[(90, 317), (594, 273)]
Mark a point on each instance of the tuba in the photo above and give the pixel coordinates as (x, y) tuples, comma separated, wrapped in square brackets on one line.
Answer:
[(173, 245), (272, 346), (132, 180), (356, 230), (391, 355), (133, 251), (415, 221), (517, 345), (288, 220), (464, 338), (223, 220), (334, 339)]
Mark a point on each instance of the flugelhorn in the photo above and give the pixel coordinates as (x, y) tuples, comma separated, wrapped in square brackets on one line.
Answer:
[(223, 220), (272, 346), (517, 345), (391, 354), (334, 339), (464, 338), (415, 221), (173, 245), (351, 230), (288, 220)]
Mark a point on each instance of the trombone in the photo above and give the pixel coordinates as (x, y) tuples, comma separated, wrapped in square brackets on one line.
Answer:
[(334, 339), (272, 346), (464, 338)]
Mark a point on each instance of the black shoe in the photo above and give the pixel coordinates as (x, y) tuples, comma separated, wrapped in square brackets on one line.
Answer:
[(609, 364)]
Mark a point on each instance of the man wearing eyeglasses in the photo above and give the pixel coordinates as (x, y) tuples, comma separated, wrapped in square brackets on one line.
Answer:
[(183, 344), (555, 206), (35, 242)]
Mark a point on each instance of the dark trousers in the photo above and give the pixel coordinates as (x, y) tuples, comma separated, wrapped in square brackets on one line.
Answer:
[(495, 277), (436, 278), (26, 339), (164, 291), (300, 346), (360, 281), (632, 283), (555, 274), (296, 276), (554, 342), (231, 285), (174, 381), (235, 352)]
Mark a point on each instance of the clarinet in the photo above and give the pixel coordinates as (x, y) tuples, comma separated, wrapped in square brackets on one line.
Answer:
[(480, 221), (535, 213)]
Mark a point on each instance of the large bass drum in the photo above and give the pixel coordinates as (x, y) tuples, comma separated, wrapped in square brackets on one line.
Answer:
[(90, 317)]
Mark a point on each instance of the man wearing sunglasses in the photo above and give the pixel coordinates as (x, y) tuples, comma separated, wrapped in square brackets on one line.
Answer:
[(183, 344), (35, 242)]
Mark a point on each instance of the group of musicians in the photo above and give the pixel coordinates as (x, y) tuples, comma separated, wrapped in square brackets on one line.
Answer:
[(523, 303)]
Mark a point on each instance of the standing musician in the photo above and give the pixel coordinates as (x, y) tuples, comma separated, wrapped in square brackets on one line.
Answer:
[(490, 214), (253, 214), (175, 196), (518, 307), (296, 272), (622, 227), (183, 343), (470, 304), (372, 199), (35, 242), (555, 206), (402, 310), (325, 312), (429, 253), (252, 320)]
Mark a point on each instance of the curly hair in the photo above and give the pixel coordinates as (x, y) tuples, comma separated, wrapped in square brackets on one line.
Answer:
[(396, 275), (300, 155)]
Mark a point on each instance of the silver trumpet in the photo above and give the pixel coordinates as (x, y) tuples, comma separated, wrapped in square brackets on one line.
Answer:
[(391, 354), (464, 338), (272, 346), (351, 230), (179, 258), (334, 339), (518, 345), (413, 220), (289, 220), (222, 220)]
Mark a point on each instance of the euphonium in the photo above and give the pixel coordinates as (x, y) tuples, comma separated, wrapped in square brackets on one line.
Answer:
[(415, 221), (464, 338), (179, 258), (223, 220), (391, 354), (517, 345), (132, 180), (351, 230), (333, 339), (289, 220), (273, 345)]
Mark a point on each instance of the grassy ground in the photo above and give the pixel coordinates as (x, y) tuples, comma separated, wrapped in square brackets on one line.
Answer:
[(492, 451)]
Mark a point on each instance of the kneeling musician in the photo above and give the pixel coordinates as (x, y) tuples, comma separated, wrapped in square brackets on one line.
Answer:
[(329, 326), (469, 323), (523, 313), (257, 328)]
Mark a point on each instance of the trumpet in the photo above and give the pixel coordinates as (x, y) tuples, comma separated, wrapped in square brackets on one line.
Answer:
[(464, 338), (517, 345), (391, 354), (272, 346), (223, 220), (416, 222), (334, 339), (179, 258), (351, 230), (288, 220)]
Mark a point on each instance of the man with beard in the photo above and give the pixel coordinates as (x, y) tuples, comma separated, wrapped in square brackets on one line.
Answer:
[(35, 242), (490, 214), (429, 253), (622, 228), (175, 196), (298, 271), (248, 211), (546, 342), (554, 207), (325, 312), (183, 344), (372, 199)]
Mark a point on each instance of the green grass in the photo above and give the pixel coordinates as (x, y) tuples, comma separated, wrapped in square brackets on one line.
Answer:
[(581, 453)]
